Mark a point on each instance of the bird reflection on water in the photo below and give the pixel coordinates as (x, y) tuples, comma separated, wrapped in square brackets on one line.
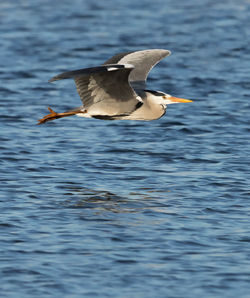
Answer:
[(82, 197)]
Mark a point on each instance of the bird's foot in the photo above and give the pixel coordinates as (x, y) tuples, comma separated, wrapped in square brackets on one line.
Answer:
[(52, 116)]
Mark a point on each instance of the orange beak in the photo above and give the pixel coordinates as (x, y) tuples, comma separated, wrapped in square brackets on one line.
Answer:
[(176, 99)]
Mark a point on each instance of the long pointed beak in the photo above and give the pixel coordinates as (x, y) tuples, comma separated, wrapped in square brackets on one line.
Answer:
[(176, 99)]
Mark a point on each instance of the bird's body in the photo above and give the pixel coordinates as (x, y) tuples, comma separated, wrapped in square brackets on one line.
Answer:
[(117, 89)]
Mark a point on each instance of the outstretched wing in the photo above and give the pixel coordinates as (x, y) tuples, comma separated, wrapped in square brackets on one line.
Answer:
[(105, 90), (143, 62)]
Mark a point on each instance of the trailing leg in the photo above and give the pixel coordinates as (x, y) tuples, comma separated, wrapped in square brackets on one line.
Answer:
[(53, 115)]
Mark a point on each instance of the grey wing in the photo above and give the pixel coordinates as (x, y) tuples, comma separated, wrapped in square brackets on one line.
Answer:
[(105, 90), (143, 62)]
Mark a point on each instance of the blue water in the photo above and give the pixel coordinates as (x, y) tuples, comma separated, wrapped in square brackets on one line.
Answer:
[(94, 208)]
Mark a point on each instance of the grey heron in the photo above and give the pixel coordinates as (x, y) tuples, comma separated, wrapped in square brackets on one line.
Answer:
[(116, 90)]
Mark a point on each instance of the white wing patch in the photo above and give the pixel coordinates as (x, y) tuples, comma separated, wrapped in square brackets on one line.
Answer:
[(139, 98), (128, 66), (112, 68)]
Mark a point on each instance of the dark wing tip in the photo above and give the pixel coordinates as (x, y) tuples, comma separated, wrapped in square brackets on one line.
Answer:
[(58, 77)]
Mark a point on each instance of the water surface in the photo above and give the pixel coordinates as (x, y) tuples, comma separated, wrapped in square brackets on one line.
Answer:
[(125, 209)]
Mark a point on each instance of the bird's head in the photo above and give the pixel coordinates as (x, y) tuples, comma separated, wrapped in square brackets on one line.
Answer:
[(164, 98)]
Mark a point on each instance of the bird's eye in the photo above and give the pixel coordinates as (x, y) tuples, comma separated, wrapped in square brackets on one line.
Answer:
[(164, 97)]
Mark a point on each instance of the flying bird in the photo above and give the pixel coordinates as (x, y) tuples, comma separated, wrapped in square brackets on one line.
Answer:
[(116, 90)]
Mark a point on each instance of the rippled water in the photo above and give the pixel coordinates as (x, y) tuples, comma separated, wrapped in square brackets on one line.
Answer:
[(125, 209)]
